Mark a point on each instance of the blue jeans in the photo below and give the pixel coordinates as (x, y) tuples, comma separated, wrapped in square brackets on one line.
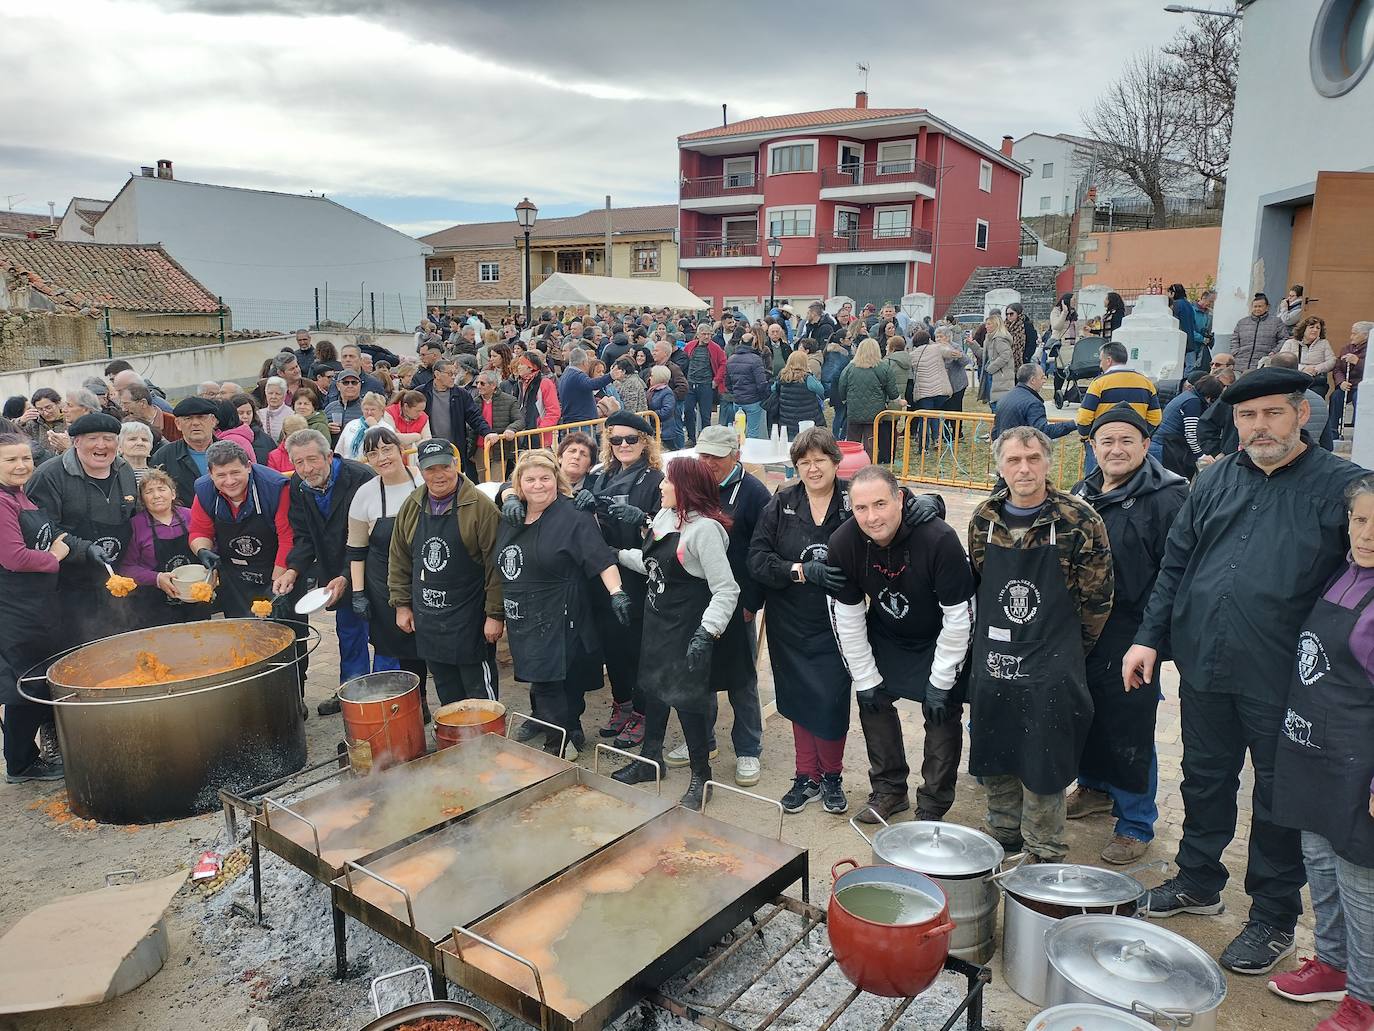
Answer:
[(1089, 457), (354, 660), (755, 424), (841, 419), (1135, 813), (1343, 902), (701, 402), (672, 436), (727, 413)]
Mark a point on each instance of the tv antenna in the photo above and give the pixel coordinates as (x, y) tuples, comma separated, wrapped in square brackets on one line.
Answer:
[(863, 70)]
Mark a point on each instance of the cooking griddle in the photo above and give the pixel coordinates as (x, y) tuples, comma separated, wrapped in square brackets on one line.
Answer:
[(364, 815), (416, 892), (582, 949)]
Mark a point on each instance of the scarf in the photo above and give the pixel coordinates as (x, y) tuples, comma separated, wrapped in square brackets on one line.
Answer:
[(1017, 328)]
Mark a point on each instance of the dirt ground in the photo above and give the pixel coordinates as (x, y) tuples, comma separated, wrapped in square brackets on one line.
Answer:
[(224, 972)]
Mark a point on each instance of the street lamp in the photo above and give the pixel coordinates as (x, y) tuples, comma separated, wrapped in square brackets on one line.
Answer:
[(525, 214), (1184, 9), (774, 249)]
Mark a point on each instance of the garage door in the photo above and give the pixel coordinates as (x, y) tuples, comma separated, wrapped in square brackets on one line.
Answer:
[(871, 283)]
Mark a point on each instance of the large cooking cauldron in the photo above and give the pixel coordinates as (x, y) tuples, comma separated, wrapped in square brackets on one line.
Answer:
[(208, 705)]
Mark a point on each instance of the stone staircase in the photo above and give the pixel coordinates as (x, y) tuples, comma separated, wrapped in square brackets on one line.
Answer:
[(1036, 286)]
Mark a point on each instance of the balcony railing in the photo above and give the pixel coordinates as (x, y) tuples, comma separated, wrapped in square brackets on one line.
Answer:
[(879, 173), (720, 186), (903, 239), (714, 246)]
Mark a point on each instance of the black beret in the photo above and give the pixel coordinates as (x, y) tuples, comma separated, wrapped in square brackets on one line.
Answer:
[(195, 405), (1197, 376), (1122, 412), (629, 420), (1265, 382), (94, 422)]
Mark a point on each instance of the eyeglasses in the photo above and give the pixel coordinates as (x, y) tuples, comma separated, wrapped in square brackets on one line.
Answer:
[(629, 438), (1224, 365)]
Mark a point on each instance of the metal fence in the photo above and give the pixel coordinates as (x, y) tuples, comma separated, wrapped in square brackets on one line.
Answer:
[(330, 307)]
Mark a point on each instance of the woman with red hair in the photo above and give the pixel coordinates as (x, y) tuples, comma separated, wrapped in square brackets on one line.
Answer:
[(691, 596)]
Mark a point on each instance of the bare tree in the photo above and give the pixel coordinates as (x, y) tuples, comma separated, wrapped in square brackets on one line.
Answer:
[(1205, 58), (1139, 127)]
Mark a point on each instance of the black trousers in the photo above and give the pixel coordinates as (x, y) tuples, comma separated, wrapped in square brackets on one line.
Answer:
[(421, 670), (22, 720), (887, 766), (696, 728), (454, 682), (1218, 730), (622, 648)]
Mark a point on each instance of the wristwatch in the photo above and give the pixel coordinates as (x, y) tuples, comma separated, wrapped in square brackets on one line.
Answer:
[(797, 576)]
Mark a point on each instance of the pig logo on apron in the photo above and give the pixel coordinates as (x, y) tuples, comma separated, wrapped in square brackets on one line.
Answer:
[(1005, 667), (815, 552), (1298, 730), (1312, 661), (1020, 600), (434, 555), (433, 599), (111, 546)]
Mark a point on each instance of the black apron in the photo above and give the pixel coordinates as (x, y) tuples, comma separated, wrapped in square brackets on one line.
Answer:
[(448, 592), (1325, 755), (154, 607), (247, 551), (28, 609), (673, 609), (1121, 739), (1030, 703), (94, 612), (387, 638), (736, 652), (538, 600)]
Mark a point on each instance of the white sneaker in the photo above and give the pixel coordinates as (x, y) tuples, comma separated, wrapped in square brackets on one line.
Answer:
[(747, 771), (570, 752), (679, 757)]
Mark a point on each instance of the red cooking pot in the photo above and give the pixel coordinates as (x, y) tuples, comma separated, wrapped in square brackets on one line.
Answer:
[(893, 959)]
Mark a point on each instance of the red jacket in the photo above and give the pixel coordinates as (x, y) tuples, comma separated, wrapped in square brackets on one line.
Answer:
[(717, 355)]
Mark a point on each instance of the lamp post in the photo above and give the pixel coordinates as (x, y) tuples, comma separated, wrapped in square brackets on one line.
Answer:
[(774, 249), (1184, 9), (525, 214)]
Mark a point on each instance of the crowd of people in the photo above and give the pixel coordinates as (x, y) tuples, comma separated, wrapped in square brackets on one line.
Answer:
[(603, 556)]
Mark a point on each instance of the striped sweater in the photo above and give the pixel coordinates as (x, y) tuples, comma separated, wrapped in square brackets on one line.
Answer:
[(1122, 383)]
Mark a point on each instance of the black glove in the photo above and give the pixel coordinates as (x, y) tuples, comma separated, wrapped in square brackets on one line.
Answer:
[(98, 553), (208, 559), (869, 700), (361, 608), (921, 508), (936, 706), (620, 607), (513, 511), (699, 650), (584, 500), (828, 578), (627, 514)]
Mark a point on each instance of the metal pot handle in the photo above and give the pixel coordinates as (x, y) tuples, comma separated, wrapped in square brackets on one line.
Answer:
[(268, 803), (110, 877), (349, 866), (853, 822), (706, 798), (997, 875), (658, 769), (1176, 1018), (835, 870), (562, 731), (418, 967), (514, 957), (1155, 864)]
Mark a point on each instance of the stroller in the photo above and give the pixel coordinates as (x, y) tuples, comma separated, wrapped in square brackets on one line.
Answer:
[(1076, 368)]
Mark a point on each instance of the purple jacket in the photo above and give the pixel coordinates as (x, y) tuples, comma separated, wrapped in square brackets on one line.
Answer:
[(1347, 591), (139, 561), (14, 556)]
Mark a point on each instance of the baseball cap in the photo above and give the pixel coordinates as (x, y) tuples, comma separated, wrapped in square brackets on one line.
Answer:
[(717, 441), (348, 374), (435, 451)]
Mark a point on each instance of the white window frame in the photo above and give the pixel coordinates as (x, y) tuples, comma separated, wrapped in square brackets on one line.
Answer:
[(1047, 170), (877, 211), (857, 212), (724, 235), (985, 176), (436, 273), (1046, 203), (910, 158), (815, 156), (768, 221), (753, 172), (483, 266), (982, 224)]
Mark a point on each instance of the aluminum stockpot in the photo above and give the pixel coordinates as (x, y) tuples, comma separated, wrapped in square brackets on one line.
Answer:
[(1087, 1016), (962, 861), (226, 713)]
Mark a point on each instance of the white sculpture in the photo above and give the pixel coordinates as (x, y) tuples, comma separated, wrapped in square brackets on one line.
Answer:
[(1152, 337)]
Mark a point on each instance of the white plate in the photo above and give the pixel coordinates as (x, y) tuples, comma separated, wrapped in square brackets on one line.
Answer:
[(312, 601)]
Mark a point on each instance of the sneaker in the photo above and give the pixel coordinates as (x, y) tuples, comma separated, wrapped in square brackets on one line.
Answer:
[(571, 751), (885, 806), (620, 714), (329, 706), (632, 734), (40, 769), (1122, 850), (1314, 981), (678, 756), (746, 770), (1351, 1015), (803, 792), (1257, 949), (528, 731), (1174, 897), (48, 748), (832, 794), (1087, 802)]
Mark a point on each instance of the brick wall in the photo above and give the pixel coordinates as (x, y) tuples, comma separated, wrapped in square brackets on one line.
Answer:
[(461, 268)]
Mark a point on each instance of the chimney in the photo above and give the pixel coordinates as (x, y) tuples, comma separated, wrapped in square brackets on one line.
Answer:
[(164, 168), (146, 171), (861, 98), (1006, 145)]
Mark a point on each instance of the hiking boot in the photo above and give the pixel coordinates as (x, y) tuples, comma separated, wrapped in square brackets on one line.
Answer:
[(638, 773), (620, 713), (329, 706), (1087, 802), (746, 770), (1122, 850), (885, 806), (1174, 896), (39, 769), (1314, 981), (679, 757), (695, 795), (803, 792), (48, 748), (528, 731), (1257, 949), (832, 794), (632, 734), (926, 816), (1351, 1015)]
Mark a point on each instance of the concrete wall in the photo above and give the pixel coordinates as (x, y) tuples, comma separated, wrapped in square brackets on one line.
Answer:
[(1034, 151), (1129, 260)]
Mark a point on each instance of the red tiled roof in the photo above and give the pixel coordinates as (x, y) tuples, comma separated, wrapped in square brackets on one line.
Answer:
[(88, 276), (21, 222), (646, 219), (803, 120)]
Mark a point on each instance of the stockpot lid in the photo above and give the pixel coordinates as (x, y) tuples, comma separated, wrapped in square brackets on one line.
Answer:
[(938, 849), (1076, 1016), (1122, 960), (1064, 884)]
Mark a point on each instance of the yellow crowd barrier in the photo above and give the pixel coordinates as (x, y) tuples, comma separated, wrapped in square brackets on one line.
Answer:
[(499, 452), (954, 449)]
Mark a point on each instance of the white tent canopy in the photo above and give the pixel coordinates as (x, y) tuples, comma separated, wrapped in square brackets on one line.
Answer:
[(566, 288)]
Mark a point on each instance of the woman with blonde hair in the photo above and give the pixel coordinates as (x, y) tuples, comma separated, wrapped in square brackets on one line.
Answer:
[(350, 443), (998, 368), (800, 394), (545, 562), (866, 387)]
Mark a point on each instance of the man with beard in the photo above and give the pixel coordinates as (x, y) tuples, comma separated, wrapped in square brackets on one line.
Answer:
[(1137, 499), (1251, 550)]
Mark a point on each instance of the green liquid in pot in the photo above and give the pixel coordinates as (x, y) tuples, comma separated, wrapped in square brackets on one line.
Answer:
[(888, 903)]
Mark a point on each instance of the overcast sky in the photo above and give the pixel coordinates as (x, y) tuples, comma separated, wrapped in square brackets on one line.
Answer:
[(422, 113)]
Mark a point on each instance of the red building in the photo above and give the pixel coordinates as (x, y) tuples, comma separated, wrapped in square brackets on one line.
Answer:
[(871, 203)]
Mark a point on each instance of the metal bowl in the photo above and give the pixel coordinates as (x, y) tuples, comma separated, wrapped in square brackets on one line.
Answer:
[(422, 1010)]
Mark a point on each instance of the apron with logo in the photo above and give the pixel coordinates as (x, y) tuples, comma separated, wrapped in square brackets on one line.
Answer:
[(94, 612), (247, 551), (448, 592), (1325, 759), (1030, 705), (387, 638), (27, 610), (904, 662), (674, 604), (537, 599), (155, 607)]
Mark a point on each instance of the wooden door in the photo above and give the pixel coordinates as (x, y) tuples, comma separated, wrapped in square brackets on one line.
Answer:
[(1340, 279)]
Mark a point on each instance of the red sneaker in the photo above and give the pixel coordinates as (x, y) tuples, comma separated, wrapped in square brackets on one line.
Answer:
[(620, 715), (1314, 981), (1352, 1015), (632, 733)]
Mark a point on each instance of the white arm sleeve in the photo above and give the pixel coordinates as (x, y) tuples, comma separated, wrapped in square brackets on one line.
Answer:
[(956, 627), (632, 558), (850, 625)]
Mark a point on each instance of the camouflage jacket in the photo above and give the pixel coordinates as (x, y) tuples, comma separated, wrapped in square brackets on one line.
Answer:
[(1085, 556)]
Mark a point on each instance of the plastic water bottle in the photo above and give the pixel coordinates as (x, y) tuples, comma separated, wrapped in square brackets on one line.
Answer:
[(741, 424)]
